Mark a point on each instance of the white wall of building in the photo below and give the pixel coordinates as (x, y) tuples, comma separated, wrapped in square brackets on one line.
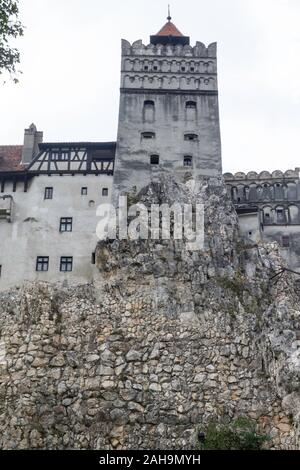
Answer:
[(34, 229)]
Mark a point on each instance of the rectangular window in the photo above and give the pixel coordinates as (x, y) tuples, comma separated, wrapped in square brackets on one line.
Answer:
[(93, 258), (66, 264), (84, 191), (105, 192), (66, 224), (42, 263), (48, 193), (285, 241), (0, 269)]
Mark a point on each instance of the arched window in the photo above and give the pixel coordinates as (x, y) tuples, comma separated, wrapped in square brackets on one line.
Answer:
[(187, 160), (149, 103), (280, 215), (191, 105), (148, 135), (191, 137), (154, 159)]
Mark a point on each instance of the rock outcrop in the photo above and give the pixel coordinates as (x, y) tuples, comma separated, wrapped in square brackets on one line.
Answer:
[(165, 341)]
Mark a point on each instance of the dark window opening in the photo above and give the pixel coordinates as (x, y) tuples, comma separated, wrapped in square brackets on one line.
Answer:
[(93, 258), (192, 69), (57, 155), (191, 137), (146, 67), (250, 233), (154, 159), (149, 103), (280, 215), (48, 193), (84, 191), (155, 67), (66, 224), (182, 69), (66, 264), (191, 105), (285, 241), (0, 269), (105, 192), (42, 263), (148, 135), (188, 161)]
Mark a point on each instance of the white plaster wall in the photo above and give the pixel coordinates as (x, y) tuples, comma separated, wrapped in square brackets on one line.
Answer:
[(34, 230)]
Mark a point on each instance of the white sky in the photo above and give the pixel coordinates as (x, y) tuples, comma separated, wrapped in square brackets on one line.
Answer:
[(71, 61)]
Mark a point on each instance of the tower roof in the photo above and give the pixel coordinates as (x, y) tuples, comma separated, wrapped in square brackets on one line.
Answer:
[(169, 34), (169, 29)]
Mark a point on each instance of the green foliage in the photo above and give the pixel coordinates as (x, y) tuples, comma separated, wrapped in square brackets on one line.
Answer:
[(10, 28), (239, 435)]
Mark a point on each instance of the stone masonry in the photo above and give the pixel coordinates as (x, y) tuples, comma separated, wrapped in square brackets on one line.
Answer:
[(163, 342)]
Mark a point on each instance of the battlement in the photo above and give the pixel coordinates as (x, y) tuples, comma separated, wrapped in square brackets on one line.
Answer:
[(137, 48), (169, 67), (264, 175)]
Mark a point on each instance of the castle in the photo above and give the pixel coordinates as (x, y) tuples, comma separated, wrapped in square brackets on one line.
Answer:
[(168, 121)]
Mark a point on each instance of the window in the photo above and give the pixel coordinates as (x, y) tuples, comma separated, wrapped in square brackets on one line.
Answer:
[(65, 155), (93, 258), (154, 159), (190, 105), (42, 263), (192, 69), (146, 67), (149, 103), (182, 69), (66, 264), (105, 192), (285, 241), (148, 135), (59, 155), (0, 269), (66, 224), (280, 215), (187, 161), (191, 137), (84, 191), (48, 193), (155, 67)]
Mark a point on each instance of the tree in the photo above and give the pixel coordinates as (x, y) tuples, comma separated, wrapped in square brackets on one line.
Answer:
[(10, 28)]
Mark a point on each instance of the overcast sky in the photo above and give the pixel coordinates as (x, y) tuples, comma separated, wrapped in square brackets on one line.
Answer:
[(71, 61)]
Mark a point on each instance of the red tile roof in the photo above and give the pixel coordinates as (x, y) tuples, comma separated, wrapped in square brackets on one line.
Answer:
[(169, 29), (10, 158)]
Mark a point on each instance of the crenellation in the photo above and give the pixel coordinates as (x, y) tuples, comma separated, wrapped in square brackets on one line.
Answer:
[(140, 49)]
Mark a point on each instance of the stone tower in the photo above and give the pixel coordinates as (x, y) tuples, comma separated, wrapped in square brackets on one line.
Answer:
[(169, 113)]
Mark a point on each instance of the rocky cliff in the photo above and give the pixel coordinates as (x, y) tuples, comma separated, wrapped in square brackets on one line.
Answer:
[(165, 341)]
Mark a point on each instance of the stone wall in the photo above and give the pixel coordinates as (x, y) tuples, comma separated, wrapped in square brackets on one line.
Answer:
[(164, 342)]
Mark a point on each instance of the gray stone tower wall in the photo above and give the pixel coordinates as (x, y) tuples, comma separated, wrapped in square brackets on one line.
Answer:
[(170, 77)]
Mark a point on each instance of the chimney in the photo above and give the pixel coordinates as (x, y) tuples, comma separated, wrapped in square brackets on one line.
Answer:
[(32, 139)]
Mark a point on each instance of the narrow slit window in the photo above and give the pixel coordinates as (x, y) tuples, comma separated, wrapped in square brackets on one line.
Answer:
[(48, 193), (105, 192), (285, 241), (191, 137), (154, 160), (148, 135), (84, 191), (188, 161)]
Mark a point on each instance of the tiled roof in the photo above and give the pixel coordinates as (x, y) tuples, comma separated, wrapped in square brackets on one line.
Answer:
[(10, 158), (169, 29)]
